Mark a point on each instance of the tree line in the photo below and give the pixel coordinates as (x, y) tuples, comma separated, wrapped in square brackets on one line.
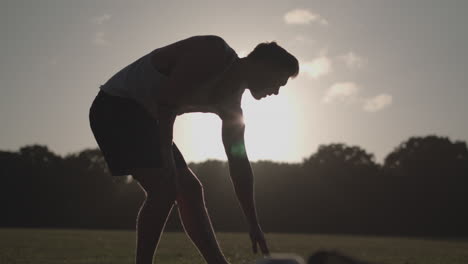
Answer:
[(419, 189)]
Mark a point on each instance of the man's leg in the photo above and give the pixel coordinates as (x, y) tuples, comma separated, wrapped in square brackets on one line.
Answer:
[(195, 219), (160, 197)]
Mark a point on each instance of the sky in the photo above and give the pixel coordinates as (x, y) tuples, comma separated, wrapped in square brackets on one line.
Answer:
[(373, 72)]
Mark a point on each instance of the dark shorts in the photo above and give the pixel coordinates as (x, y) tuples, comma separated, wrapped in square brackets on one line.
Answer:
[(127, 135)]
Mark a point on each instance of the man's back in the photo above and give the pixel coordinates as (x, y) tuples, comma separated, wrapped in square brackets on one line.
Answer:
[(181, 74)]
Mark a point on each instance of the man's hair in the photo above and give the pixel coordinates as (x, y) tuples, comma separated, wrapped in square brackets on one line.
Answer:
[(271, 52)]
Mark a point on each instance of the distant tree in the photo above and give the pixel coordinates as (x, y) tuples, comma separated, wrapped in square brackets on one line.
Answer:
[(10, 188), (430, 175), (95, 196), (32, 178), (38, 155), (430, 154), (420, 190), (89, 159), (339, 159), (343, 184)]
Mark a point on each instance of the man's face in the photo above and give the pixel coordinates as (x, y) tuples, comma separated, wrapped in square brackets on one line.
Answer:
[(267, 81)]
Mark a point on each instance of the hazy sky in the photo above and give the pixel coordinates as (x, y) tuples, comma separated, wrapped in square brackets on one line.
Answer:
[(373, 73)]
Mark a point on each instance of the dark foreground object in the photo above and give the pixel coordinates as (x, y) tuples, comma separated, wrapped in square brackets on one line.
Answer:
[(332, 257), (320, 257)]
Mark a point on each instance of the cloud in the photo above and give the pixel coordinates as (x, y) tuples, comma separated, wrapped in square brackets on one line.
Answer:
[(377, 103), (341, 92), (100, 40), (303, 17), (348, 93), (317, 68), (101, 19), (353, 61), (323, 21)]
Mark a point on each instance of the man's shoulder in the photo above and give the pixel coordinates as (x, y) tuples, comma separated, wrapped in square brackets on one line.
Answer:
[(213, 40)]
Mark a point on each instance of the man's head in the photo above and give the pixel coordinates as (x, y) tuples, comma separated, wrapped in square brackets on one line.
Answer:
[(270, 67)]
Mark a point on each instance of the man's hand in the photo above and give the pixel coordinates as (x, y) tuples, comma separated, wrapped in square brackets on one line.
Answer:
[(257, 237)]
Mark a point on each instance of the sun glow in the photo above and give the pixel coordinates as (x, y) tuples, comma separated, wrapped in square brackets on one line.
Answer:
[(271, 127), (198, 136), (272, 131)]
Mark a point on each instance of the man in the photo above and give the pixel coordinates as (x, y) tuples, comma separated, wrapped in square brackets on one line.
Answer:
[(132, 119)]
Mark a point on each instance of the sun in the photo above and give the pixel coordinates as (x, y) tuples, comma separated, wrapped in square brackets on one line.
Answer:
[(271, 127)]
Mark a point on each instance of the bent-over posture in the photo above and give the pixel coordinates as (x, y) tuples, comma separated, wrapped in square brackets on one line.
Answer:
[(132, 119)]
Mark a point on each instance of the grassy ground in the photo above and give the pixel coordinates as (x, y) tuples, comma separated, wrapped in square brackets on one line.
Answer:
[(117, 247)]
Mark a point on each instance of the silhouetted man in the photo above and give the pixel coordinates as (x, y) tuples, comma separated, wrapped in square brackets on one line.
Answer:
[(132, 119)]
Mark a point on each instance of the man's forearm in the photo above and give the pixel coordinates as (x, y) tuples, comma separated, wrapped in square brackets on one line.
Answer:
[(242, 179)]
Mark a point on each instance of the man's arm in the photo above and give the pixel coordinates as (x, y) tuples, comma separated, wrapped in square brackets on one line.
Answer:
[(241, 173)]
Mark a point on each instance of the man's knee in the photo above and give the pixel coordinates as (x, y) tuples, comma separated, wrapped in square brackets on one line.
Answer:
[(155, 182), (189, 183)]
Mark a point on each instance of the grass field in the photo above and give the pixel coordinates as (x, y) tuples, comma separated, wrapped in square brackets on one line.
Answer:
[(34, 246)]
